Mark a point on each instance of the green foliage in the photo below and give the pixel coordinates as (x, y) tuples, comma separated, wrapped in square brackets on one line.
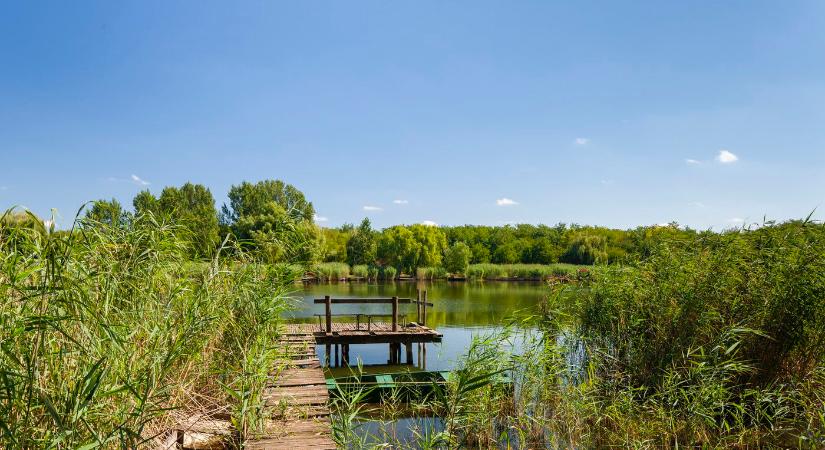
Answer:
[(362, 246), (388, 273), (410, 247), (249, 199), (586, 249), (520, 271), (330, 271), (361, 271), (106, 212), (335, 243), (431, 273), (457, 258), (276, 220), (192, 207), (713, 341)]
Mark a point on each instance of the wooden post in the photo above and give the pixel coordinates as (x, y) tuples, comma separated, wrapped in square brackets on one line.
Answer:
[(345, 354), (424, 356), (424, 306), (328, 303), (395, 314), (392, 355), (409, 353), (418, 309), (337, 364), (328, 349)]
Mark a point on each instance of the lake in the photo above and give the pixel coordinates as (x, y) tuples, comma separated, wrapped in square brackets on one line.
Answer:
[(461, 309)]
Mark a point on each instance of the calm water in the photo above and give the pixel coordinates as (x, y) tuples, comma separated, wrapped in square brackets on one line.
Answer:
[(460, 310)]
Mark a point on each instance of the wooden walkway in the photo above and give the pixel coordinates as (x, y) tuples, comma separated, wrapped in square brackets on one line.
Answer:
[(298, 399)]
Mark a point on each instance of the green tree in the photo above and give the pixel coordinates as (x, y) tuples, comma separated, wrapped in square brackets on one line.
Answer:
[(410, 247), (432, 243), (108, 212), (457, 258), (335, 243), (362, 245), (506, 254), (398, 248), (481, 254), (193, 207), (249, 199), (276, 219), (586, 249), (144, 202)]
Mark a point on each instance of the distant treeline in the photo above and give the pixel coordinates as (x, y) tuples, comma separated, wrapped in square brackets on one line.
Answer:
[(274, 220)]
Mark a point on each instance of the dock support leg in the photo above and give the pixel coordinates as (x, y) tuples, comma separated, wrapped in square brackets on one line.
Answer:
[(327, 353), (345, 354), (424, 356), (409, 353), (337, 364), (392, 355)]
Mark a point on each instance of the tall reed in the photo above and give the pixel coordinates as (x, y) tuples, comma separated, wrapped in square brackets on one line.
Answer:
[(110, 334)]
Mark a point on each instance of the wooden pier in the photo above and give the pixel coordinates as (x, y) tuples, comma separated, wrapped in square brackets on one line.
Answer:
[(298, 396)]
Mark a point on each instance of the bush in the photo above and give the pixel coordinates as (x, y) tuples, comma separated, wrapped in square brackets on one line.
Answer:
[(360, 271), (331, 271), (388, 273)]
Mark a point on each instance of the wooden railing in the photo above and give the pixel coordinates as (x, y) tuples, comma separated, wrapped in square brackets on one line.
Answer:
[(420, 302)]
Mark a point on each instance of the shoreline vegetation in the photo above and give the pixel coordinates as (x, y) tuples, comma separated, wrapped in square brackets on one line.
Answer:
[(342, 272), (115, 331)]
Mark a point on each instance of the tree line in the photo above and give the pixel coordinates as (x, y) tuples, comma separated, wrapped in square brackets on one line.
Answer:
[(276, 221)]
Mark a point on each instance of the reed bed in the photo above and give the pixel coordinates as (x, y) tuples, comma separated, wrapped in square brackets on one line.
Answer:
[(110, 335), (521, 271), (711, 343), (431, 273), (331, 271)]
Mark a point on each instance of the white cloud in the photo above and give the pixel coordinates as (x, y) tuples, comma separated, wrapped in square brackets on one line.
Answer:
[(697, 204), (321, 218), (506, 202), (726, 157), (139, 180), (607, 182), (693, 161), (582, 141), (736, 220), (400, 202), (372, 208), (429, 223)]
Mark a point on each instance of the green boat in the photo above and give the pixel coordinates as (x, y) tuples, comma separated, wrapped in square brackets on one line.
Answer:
[(405, 386)]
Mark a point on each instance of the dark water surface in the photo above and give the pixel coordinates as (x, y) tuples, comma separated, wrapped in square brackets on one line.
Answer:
[(461, 309)]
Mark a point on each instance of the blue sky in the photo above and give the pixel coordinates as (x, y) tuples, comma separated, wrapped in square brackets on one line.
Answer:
[(611, 113)]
